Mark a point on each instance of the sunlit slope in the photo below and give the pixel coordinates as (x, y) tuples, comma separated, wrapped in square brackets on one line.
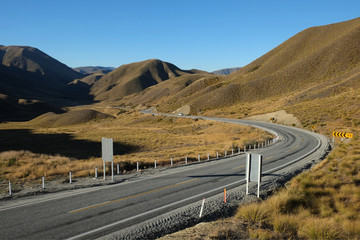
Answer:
[(135, 77), (317, 62)]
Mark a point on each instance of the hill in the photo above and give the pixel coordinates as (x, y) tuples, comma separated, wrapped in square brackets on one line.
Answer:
[(32, 82), (93, 69), (33, 60), (135, 77), (69, 118), (225, 71), (315, 63)]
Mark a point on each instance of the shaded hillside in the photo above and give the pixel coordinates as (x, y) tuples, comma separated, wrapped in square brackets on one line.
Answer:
[(93, 77), (13, 109), (135, 77), (225, 71), (33, 60), (309, 62), (93, 69), (31, 83)]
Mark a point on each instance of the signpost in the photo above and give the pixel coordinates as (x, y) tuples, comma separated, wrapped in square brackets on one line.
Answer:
[(253, 170), (107, 154)]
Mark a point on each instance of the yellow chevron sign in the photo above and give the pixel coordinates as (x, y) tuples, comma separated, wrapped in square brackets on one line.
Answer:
[(345, 135)]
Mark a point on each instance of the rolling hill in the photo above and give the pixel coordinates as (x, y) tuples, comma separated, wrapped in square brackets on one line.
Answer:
[(225, 71), (93, 69), (32, 82), (316, 63), (135, 77)]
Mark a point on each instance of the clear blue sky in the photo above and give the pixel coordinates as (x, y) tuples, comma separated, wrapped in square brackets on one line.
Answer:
[(202, 34)]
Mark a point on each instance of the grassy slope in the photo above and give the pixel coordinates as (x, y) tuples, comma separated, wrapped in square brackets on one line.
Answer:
[(134, 77), (316, 76), (49, 145)]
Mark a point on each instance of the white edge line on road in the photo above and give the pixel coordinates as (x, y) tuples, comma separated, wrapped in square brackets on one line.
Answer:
[(97, 188), (151, 211), (183, 200)]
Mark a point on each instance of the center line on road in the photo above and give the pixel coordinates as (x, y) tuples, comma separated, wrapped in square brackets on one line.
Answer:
[(239, 167), (136, 195)]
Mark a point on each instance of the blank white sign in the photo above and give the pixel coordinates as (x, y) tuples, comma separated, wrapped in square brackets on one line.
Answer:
[(107, 149)]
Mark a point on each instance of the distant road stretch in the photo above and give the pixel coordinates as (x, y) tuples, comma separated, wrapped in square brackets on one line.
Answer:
[(94, 212)]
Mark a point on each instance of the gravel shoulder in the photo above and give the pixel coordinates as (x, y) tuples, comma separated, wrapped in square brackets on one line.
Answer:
[(168, 225)]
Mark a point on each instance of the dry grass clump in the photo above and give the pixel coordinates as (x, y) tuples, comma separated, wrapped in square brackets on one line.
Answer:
[(253, 213)]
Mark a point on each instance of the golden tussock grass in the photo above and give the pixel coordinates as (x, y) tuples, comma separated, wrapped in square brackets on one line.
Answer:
[(30, 151)]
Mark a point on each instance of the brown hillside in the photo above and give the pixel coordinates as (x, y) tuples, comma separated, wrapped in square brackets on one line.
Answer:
[(135, 77), (33, 60), (317, 61), (69, 118), (169, 89)]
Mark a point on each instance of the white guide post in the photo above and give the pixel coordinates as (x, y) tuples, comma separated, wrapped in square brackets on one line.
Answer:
[(43, 182), (225, 153), (112, 170), (232, 151), (96, 172), (10, 193), (137, 166), (217, 154), (118, 169), (208, 156), (199, 158), (186, 160), (171, 162), (247, 171), (202, 207), (155, 164), (70, 177)]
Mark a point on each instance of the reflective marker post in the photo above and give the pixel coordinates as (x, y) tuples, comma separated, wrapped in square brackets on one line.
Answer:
[(10, 193)]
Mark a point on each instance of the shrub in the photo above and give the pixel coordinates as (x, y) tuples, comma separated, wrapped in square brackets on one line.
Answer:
[(319, 229), (252, 213), (285, 225)]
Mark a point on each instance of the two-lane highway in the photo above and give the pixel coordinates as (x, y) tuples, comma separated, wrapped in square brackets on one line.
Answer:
[(95, 212)]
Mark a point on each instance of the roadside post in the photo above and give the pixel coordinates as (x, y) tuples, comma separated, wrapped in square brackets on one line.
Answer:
[(202, 207), (70, 177), (137, 166), (155, 164), (43, 182), (199, 158), (171, 161), (253, 171), (107, 155), (95, 172), (10, 188)]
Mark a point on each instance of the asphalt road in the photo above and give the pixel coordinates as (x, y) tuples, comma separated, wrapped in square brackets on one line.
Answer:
[(94, 212)]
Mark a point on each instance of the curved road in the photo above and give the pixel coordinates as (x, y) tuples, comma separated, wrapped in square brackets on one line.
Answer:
[(94, 212)]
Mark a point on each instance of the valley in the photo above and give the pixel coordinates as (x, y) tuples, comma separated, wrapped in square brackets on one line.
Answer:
[(53, 117)]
